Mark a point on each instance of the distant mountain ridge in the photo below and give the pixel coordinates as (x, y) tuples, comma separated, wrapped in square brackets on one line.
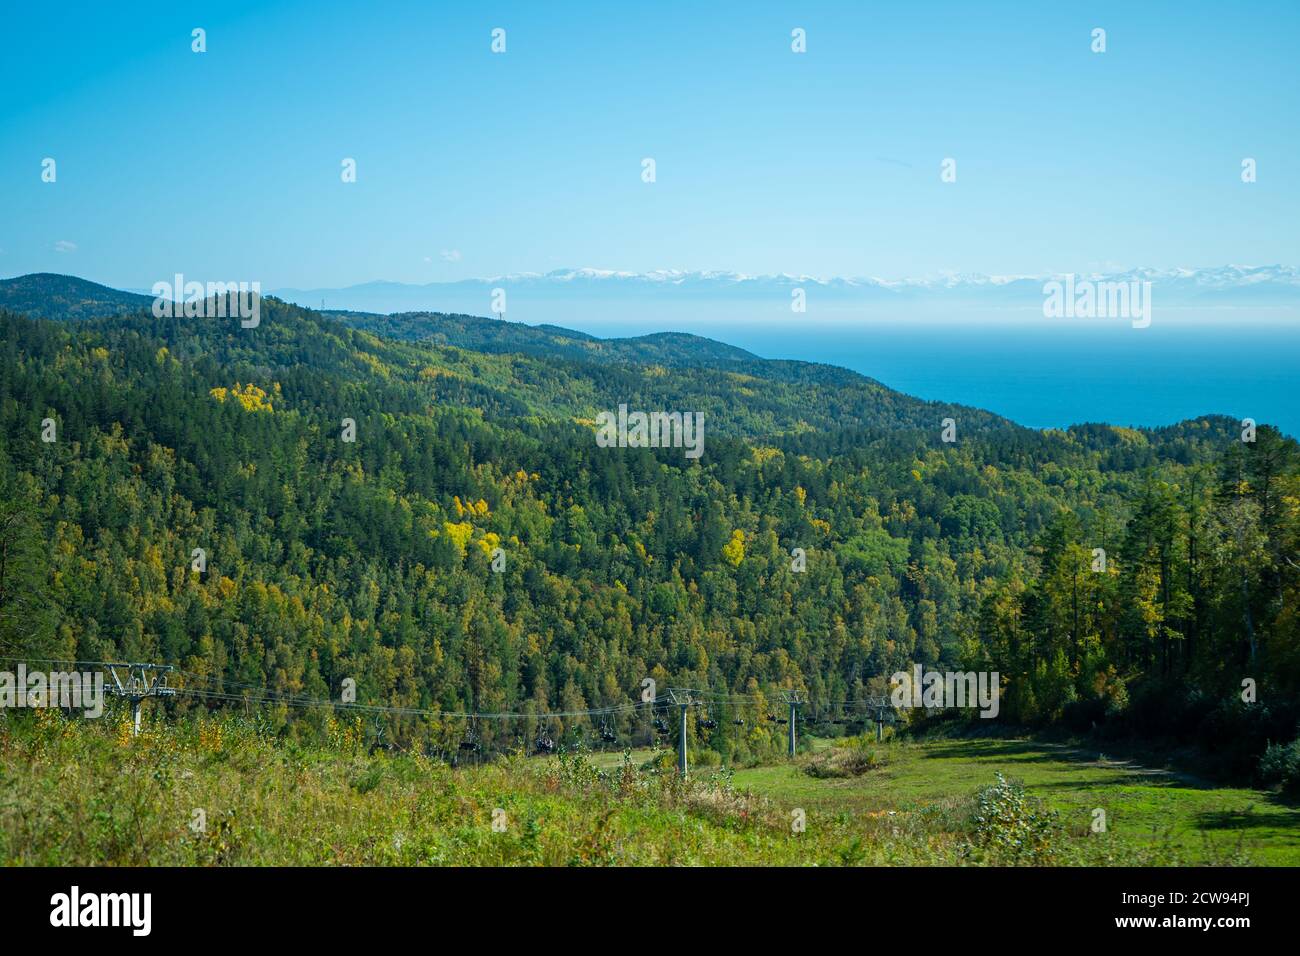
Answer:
[(1223, 285), (48, 295), (515, 369), (543, 297)]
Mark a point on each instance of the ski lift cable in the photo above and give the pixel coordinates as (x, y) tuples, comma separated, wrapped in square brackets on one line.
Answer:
[(260, 694)]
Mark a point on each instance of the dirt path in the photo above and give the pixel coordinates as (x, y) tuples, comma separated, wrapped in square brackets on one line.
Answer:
[(1096, 758)]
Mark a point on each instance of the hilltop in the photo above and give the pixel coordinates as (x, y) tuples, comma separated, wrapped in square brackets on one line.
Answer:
[(48, 295), (557, 372)]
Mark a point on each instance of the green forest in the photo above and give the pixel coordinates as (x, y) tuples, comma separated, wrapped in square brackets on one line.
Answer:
[(1127, 583)]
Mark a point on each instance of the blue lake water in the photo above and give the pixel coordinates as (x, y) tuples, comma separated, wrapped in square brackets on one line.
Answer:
[(1061, 377), (1054, 376)]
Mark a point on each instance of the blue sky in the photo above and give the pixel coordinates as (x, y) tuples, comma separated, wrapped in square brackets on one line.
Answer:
[(226, 164)]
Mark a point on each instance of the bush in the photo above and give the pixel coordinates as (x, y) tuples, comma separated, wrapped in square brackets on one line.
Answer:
[(1013, 827), (1082, 716), (1280, 766), (1164, 709), (852, 758), (1237, 734)]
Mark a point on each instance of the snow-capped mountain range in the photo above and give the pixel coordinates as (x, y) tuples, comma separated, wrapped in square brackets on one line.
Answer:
[(1231, 276), (1221, 286)]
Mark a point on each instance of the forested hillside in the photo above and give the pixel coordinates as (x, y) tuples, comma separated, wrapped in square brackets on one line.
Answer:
[(48, 296), (369, 559), (561, 373)]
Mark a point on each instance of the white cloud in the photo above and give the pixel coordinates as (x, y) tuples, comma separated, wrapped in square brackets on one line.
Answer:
[(450, 255), (64, 246)]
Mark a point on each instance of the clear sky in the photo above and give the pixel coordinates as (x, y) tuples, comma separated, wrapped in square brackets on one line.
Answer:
[(226, 164)]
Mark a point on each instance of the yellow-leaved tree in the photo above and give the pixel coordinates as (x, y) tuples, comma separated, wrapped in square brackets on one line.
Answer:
[(734, 550)]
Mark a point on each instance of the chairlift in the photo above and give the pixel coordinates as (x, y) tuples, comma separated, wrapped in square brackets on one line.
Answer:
[(545, 743), (378, 744), (471, 741)]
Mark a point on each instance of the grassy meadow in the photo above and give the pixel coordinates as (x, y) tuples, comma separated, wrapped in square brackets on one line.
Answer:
[(220, 791)]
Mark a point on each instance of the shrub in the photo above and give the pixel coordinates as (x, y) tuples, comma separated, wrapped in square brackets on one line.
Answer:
[(1237, 734), (850, 759), (1280, 766), (1012, 826)]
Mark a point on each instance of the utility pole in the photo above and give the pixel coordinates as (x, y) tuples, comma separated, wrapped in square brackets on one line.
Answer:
[(681, 743), (683, 699), (794, 699), (879, 704), (138, 681)]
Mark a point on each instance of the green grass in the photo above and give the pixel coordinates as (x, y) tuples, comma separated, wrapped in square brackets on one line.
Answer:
[(1145, 809), (87, 792)]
